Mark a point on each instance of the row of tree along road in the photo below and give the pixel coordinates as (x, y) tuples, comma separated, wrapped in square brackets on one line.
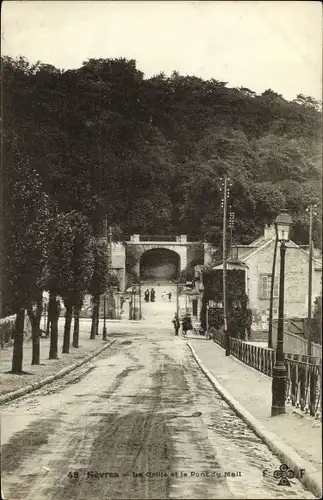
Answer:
[(47, 250)]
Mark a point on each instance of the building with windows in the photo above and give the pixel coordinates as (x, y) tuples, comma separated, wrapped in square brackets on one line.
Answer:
[(257, 260)]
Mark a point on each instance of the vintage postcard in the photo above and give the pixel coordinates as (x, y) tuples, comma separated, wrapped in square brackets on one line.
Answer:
[(161, 250)]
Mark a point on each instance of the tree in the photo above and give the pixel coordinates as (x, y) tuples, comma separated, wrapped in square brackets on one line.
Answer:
[(78, 269), (57, 268), (69, 267), (83, 268), (99, 281), (106, 140), (316, 326), (25, 235)]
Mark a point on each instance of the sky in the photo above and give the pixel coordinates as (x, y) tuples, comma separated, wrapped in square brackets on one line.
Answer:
[(258, 45)]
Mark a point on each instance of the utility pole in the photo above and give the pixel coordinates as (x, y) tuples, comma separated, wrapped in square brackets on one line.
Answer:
[(231, 224), (110, 291), (176, 282), (140, 314), (177, 297), (104, 330), (310, 276), (271, 300), (224, 205)]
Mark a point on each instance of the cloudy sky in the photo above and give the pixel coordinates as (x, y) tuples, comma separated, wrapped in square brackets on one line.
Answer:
[(258, 45)]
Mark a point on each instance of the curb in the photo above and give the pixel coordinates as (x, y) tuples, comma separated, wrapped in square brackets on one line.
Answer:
[(310, 477), (30, 388)]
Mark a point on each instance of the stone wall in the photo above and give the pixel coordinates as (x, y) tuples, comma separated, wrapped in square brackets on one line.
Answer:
[(296, 284)]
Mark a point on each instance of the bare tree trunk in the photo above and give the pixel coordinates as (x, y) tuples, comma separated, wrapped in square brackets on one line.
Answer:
[(76, 330), (35, 318), (47, 322), (67, 327), (97, 318), (53, 321), (18, 345), (95, 311)]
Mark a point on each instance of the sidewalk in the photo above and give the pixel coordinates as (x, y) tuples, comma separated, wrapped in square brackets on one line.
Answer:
[(36, 373), (252, 390)]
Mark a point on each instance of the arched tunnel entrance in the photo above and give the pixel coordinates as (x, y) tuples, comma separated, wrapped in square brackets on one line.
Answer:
[(159, 265)]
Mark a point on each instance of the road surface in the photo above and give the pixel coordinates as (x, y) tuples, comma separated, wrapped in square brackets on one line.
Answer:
[(139, 421)]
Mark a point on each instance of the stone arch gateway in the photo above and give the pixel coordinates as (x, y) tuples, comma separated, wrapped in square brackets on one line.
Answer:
[(159, 258), (160, 264)]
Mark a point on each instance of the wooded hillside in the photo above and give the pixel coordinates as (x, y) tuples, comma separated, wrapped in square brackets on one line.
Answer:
[(150, 152)]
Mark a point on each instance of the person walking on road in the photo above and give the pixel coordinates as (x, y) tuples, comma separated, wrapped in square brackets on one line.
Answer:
[(152, 295), (147, 295), (186, 324), (176, 324), (169, 296)]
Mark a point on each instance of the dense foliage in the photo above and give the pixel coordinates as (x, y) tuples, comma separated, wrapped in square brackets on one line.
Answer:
[(238, 314), (150, 152), (316, 324)]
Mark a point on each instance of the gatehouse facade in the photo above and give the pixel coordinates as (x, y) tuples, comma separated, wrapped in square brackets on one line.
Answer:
[(150, 260)]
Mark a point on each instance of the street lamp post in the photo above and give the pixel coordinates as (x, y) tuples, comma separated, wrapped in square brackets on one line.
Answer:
[(310, 276), (110, 288), (177, 298), (177, 282), (271, 299), (282, 223), (104, 331), (224, 204), (134, 303), (140, 300)]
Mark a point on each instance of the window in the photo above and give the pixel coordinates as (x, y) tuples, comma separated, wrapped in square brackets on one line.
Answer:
[(265, 314), (265, 285)]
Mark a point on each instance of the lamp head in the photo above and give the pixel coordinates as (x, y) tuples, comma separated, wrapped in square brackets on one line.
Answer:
[(283, 223)]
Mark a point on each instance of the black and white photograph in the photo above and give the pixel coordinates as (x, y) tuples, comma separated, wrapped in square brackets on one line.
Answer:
[(161, 250)]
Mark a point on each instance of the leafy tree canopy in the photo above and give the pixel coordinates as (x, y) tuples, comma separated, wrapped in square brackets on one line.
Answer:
[(150, 152)]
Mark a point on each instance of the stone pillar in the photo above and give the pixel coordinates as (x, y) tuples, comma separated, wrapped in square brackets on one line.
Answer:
[(183, 255), (137, 267), (208, 250)]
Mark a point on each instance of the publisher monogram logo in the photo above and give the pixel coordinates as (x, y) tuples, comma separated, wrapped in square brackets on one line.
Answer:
[(284, 474)]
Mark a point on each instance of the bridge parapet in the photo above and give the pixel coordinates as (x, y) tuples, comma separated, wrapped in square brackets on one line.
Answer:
[(137, 238)]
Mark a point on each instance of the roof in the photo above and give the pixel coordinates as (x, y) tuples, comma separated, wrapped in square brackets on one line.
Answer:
[(261, 243), (239, 262)]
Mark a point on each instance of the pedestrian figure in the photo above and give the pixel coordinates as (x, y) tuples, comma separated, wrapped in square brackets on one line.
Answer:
[(152, 295), (169, 296), (176, 324), (186, 324), (163, 295), (147, 295)]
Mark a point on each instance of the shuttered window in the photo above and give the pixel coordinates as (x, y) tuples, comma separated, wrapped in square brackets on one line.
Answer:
[(265, 285)]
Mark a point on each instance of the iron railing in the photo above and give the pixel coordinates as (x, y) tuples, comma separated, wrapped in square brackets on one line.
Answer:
[(304, 373), (218, 337), (260, 358), (314, 360), (304, 386)]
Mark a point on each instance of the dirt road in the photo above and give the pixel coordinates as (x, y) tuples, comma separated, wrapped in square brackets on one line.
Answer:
[(139, 421)]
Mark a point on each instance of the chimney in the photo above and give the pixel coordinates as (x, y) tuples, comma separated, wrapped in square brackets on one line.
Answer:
[(269, 231)]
